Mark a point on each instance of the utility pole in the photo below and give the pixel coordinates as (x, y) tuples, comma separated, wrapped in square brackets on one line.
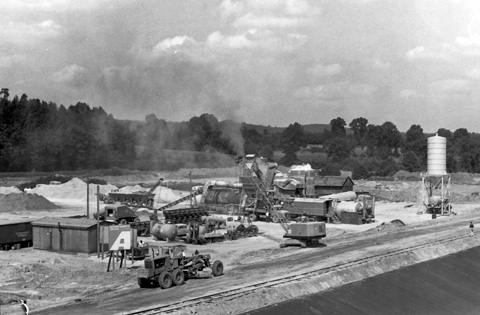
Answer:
[(88, 200)]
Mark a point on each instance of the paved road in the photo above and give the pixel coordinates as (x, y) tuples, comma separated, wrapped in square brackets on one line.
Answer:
[(244, 274)]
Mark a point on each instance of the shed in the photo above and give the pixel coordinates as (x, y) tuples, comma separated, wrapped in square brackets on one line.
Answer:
[(65, 235), (16, 231), (327, 185)]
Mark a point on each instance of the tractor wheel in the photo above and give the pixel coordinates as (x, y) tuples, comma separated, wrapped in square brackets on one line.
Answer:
[(253, 217), (123, 222), (178, 277), (165, 280), (142, 283), (217, 268), (275, 219), (254, 230)]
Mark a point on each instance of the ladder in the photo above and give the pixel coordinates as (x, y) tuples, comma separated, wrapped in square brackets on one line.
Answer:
[(260, 188)]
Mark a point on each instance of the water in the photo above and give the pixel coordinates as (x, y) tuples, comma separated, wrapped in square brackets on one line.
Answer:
[(447, 285)]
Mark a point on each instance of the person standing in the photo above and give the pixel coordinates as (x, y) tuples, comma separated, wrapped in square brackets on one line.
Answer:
[(471, 226), (267, 216)]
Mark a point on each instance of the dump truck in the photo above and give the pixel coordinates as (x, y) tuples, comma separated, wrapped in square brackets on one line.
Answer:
[(168, 265)]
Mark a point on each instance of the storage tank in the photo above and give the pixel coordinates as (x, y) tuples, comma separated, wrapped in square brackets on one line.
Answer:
[(437, 156), (164, 231)]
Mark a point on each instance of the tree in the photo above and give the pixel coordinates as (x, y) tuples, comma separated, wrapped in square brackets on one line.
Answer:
[(293, 137), (359, 127), (411, 162), (337, 127), (415, 141)]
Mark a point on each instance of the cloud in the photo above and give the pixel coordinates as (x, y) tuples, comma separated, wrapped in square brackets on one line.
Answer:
[(217, 40), (473, 73), (173, 43), (23, 33), (56, 5), (430, 53), (409, 93), (324, 71), (379, 64), (73, 75), (451, 86), (7, 61)]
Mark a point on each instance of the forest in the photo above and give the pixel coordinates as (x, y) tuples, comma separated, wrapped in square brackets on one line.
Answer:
[(39, 136)]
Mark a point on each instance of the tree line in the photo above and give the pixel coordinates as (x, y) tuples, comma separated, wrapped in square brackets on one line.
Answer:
[(41, 136)]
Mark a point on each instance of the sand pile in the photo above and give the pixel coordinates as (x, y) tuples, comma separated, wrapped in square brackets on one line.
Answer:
[(24, 201), (9, 190), (165, 195), (132, 189), (74, 189)]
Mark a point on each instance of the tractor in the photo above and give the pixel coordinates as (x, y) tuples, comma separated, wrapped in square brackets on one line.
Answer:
[(168, 265)]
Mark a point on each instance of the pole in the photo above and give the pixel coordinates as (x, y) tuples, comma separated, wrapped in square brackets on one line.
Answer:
[(88, 200), (98, 221)]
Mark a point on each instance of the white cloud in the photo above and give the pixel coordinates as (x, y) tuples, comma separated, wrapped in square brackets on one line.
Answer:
[(473, 73), (57, 5), (7, 61), (408, 93), (22, 33), (443, 53), (73, 75), (468, 42), (323, 71), (216, 39), (450, 86), (379, 64), (173, 43)]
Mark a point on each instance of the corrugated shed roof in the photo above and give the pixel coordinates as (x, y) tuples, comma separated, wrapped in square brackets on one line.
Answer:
[(65, 223), (16, 221)]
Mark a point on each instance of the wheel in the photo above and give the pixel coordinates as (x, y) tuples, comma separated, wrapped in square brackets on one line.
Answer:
[(136, 220), (253, 217), (209, 240), (194, 241), (165, 280), (178, 277), (123, 222), (254, 230), (275, 219), (142, 283), (217, 268)]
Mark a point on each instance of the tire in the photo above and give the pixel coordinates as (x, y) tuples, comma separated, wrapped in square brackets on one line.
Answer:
[(123, 222), (142, 283), (165, 280), (178, 277), (217, 268), (275, 219), (194, 241), (253, 217)]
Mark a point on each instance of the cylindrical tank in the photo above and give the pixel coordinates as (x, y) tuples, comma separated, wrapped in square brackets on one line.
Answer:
[(164, 231), (434, 200), (348, 206), (437, 156)]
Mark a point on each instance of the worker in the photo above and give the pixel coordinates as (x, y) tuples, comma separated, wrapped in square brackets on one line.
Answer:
[(267, 216), (471, 226)]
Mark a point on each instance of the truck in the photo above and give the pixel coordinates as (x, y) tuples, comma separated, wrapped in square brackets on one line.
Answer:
[(165, 266), (117, 213)]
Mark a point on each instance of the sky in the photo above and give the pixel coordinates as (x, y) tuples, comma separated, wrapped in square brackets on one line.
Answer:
[(269, 62)]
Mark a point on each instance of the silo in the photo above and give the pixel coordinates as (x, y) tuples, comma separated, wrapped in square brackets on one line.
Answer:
[(437, 156)]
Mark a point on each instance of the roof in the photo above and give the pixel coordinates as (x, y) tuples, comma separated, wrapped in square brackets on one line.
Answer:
[(16, 221), (82, 224), (338, 181)]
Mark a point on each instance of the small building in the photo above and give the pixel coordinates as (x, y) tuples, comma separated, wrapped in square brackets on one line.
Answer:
[(66, 235), (16, 231), (327, 185)]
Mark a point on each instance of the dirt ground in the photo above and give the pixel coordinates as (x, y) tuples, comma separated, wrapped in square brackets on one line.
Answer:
[(46, 279)]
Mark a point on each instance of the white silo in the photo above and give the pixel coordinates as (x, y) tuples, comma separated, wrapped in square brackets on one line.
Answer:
[(437, 156), (436, 181)]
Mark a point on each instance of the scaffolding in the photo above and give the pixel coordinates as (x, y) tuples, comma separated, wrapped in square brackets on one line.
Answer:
[(435, 195)]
